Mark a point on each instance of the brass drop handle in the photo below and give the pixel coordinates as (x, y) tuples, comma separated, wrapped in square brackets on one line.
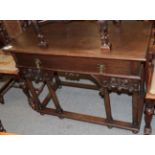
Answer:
[(101, 68), (38, 63)]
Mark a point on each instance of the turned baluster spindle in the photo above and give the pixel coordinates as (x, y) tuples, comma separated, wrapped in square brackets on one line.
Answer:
[(42, 41), (104, 35)]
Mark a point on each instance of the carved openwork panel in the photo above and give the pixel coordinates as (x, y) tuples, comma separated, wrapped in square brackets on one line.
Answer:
[(121, 84), (36, 75), (118, 84)]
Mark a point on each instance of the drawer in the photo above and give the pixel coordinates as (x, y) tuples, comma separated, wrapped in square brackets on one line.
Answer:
[(79, 64)]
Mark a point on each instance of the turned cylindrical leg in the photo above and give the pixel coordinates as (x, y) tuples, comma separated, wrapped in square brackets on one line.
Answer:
[(149, 111)]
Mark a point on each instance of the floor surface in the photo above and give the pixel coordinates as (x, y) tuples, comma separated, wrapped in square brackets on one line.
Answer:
[(18, 117)]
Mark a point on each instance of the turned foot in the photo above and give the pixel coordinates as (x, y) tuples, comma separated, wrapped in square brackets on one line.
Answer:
[(149, 111)]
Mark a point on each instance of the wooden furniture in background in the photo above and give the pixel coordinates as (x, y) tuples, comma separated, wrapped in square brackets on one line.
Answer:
[(74, 51), (7, 68), (10, 29), (150, 85)]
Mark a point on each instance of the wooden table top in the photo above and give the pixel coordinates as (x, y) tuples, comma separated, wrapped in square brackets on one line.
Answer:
[(81, 39)]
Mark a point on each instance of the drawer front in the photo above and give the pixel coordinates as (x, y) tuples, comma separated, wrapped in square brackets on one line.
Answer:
[(77, 64)]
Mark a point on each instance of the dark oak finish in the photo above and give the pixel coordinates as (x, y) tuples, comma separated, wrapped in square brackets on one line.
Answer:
[(74, 51)]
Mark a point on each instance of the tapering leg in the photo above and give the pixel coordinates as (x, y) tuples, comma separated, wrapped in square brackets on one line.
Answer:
[(135, 109), (149, 111), (107, 106)]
